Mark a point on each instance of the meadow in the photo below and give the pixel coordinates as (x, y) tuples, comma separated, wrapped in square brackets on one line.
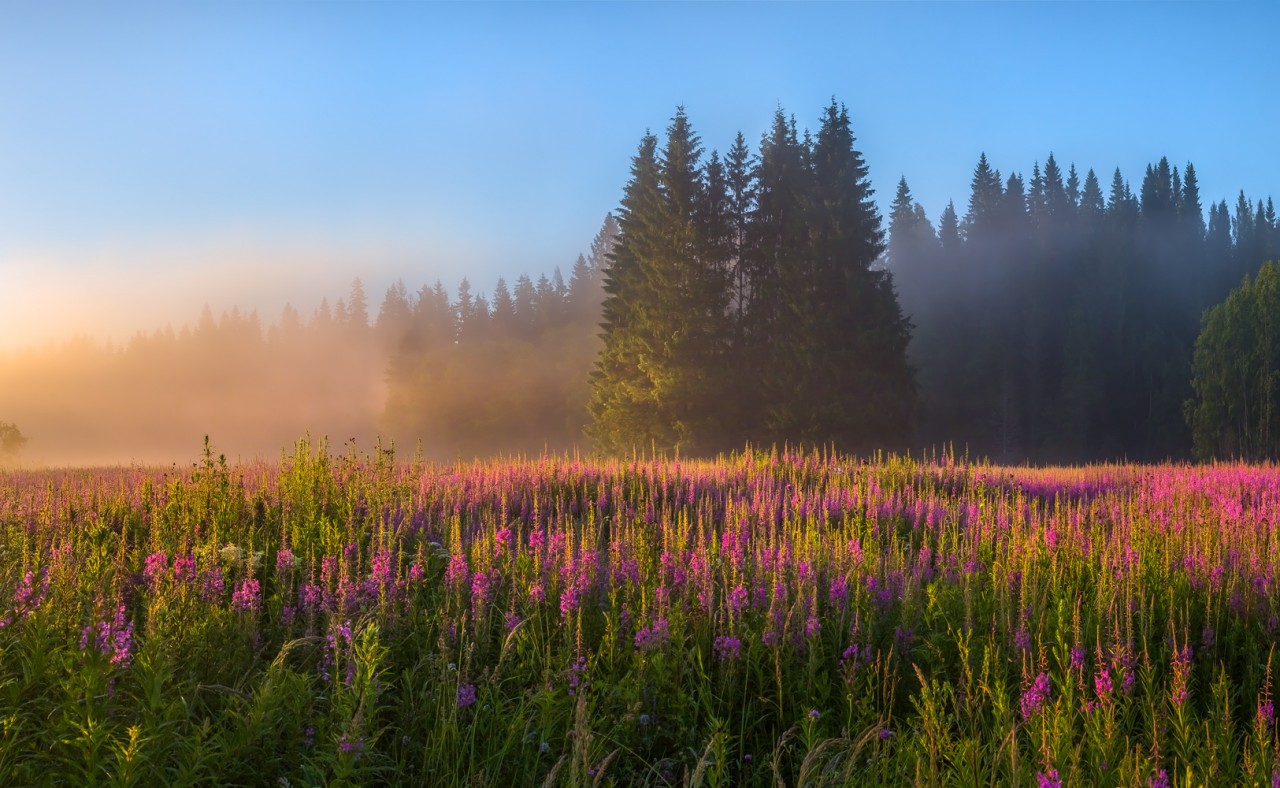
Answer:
[(797, 618)]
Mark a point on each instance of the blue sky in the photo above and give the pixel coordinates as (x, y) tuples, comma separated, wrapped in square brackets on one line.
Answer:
[(154, 156)]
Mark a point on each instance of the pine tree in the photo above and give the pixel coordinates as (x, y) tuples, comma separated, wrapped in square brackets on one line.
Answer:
[(602, 246), (1037, 203), (622, 404), (395, 318), (902, 228), (980, 223), (504, 311), (525, 298), (463, 309), (851, 385), (1013, 207), (1056, 203), (357, 306), (1192, 212), (581, 299), (741, 187), (949, 232), (1092, 206)]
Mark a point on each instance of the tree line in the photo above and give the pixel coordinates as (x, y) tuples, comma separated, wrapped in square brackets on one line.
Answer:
[(757, 297), (743, 303), (1055, 321), (460, 373)]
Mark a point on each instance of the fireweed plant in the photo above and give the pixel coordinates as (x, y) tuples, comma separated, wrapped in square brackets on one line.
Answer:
[(775, 617)]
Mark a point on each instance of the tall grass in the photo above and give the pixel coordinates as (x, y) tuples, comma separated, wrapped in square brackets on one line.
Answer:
[(771, 617)]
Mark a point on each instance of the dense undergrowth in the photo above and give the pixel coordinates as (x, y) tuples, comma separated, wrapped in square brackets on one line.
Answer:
[(797, 618)]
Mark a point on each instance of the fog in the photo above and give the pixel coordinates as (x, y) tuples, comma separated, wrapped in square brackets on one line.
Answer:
[(252, 389), (449, 373), (1054, 314)]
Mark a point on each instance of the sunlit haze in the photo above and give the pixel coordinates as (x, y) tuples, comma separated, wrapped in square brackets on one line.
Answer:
[(156, 158)]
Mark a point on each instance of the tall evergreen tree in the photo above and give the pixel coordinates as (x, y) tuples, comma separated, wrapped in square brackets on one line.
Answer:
[(949, 232), (741, 186), (1091, 200), (623, 405), (504, 311), (855, 387), (980, 223)]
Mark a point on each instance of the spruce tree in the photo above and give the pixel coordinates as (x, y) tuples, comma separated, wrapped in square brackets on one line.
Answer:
[(741, 186), (949, 231), (984, 200), (623, 406), (851, 384), (666, 309), (1091, 200)]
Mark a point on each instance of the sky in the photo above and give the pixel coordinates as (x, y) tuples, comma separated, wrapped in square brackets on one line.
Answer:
[(155, 157)]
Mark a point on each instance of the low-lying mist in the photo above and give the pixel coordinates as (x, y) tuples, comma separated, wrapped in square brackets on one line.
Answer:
[(426, 372), (152, 401)]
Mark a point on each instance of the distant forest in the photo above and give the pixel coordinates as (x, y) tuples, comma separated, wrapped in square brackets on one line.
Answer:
[(1054, 321)]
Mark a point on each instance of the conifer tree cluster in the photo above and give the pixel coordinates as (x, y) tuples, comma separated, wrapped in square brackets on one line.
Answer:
[(499, 374), (743, 301), (1055, 321), (748, 298)]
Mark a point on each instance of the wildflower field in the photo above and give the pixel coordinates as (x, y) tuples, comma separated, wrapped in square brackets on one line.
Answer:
[(797, 618)]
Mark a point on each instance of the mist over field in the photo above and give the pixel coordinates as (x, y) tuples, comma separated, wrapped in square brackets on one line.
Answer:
[(191, 193), (443, 375)]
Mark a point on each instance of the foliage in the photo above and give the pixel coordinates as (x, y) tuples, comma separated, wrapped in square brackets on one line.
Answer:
[(11, 439), (1054, 324), (805, 618), (743, 304), (1236, 373)]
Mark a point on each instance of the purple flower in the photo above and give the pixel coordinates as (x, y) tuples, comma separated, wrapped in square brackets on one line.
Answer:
[(1022, 639), (1102, 685), (156, 570), (1207, 637), (112, 639), (184, 568), (455, 575), (311, 597), (1160, 780), (466, 696), (212, 585), (1035, 696), (284, 561), (1050, 780), (1181, 673), (247, 597), (574, 676), (479, 592), (728, 648), (814, 714), (1266, 713), (27, 597), (348, 745), (501, 541), (885, 734), (653, 637), (509, 622), (838, 592)]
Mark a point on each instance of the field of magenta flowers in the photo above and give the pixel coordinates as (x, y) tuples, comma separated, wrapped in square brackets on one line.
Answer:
[(769, 618)]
